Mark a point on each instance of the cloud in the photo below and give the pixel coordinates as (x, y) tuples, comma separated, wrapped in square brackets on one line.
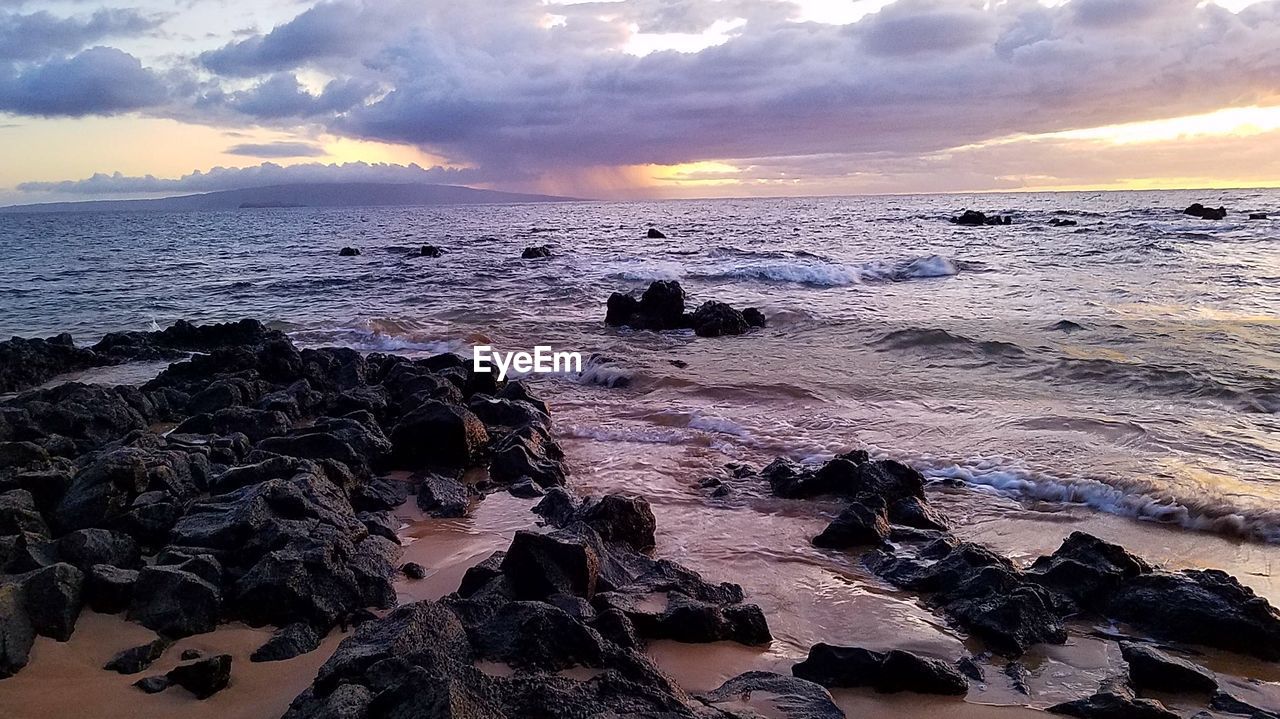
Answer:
[(326, 30), (277, 149), (97, 81), (499, 86), (265, 175), (40, 35)]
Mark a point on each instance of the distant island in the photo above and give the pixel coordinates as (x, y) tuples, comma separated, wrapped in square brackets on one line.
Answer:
[(337, 194)]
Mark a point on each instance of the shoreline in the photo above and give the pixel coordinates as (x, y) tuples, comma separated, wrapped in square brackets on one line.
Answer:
[(450, 547)]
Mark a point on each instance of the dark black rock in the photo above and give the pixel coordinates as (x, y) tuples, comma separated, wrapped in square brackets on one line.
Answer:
[(1114, 700), (1150, 668), (174, 603), (203, 677), (441, 496), (538, 565), (916, 512), (621, 519), (109, 589), (1201, 606), (17, 635), (557, 506), (535, 252), (136, 659), (891, 671), (1258, 216), (526, 489), (430, 251), (528, 453), (1086, 569), (189, 654), (413, 570), (1224, 702), (861, 523), (973, 217), (791, 697), (153, 685), (1206, 213), (437, 434), (1060, 222), (19, 515), (714, 319), (655, 234), (288, 642), (84, 548), (754, 317), (348, 252), (53, 597)]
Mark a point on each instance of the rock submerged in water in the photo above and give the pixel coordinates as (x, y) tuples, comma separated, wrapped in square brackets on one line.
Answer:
[(975, 218), (535, 252), (348, 252), (655, 234), (1206, 213), (662, 307), (430, 251), (1258, 216), (1060, 222)]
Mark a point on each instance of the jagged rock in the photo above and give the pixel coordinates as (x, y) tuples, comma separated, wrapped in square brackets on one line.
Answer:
[(17, 635), (109, 589), (526, 489), (714, 319), (288, 642), (528, 452), (780, 696), (1201, 606), (103, 490), (174, 603), (1222, 701), (430, 251), (1114, 700), (754, 317), (137, 659), (1206, 213), (623, 519), (535, 252), (1004, 611), (891, 671), (1086, 569), (19, 515), (557, 506), (860, 523), (28, 362), (348, 252), (1150, 668), (358, 444), (256, 424), (655, 234), (378, 495), (53, 597), (542, 564), (915, 512), (441, 496), (437, 434), (973, 217), (84, 548), (203, 677), (851, 475), (153, 685)]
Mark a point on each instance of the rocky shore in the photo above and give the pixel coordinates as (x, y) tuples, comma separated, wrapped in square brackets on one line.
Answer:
[(254, 482)]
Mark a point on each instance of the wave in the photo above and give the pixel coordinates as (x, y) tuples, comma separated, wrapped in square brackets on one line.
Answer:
[(932, 338), (1207, 513), (1249, 394), (827, 274), (380, 335)]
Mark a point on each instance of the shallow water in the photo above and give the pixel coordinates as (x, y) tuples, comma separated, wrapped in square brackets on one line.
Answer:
[(1118, 377)]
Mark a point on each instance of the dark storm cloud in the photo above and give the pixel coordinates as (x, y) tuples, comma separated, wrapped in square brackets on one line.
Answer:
[(40, 35), (265, 175), (97, 81), (277, 149), (326, 30), (491, 84), (282, 96)]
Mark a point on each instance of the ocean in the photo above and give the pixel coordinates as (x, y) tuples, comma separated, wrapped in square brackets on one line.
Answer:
[(1119, 376)]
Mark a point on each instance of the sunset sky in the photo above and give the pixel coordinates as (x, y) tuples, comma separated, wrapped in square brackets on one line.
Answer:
[(638, 98)]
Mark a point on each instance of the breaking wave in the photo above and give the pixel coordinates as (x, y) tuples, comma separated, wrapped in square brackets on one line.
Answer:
[(1207, 513)]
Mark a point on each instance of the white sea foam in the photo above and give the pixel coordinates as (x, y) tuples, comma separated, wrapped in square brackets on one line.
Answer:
[(1204, 513)]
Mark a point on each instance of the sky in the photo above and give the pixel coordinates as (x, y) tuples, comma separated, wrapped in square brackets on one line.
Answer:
[(620, 99)]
